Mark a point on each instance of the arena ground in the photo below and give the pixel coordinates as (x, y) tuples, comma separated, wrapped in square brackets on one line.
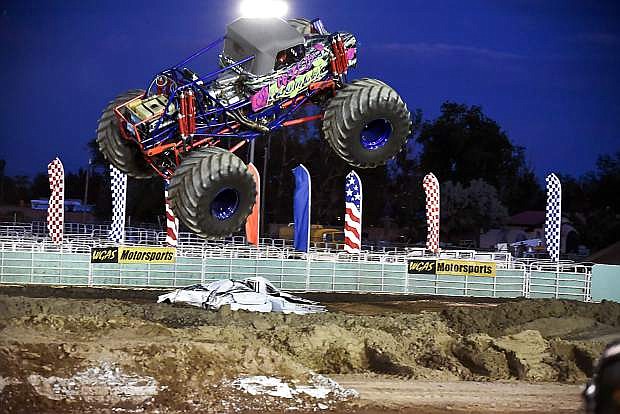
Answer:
[(114, 351)]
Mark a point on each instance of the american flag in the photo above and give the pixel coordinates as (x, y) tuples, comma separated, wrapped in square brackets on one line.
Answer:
[(353, 214)]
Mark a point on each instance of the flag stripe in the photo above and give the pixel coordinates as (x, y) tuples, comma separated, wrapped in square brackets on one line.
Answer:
[(354, 246), (352, 215), (352, 230)]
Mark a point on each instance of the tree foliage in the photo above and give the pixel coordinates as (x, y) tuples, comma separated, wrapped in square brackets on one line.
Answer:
[(468, 209), (593, 202), (464, 144)]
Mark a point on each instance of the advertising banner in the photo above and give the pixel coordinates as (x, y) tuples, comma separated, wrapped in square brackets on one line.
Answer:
[(451, 267), (133, 255)]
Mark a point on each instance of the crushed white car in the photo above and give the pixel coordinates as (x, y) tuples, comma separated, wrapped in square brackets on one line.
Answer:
[(254, 294)]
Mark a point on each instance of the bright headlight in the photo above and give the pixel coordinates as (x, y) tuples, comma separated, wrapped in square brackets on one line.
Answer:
[(263, 8)]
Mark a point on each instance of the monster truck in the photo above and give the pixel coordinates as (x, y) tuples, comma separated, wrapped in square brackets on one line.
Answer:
[(268, 70)]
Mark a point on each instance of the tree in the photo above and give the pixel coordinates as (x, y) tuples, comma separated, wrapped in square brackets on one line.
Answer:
[(599, 199), (463, 144), (468, 210)]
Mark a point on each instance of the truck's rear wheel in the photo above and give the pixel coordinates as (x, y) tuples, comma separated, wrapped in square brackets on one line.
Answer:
[(367, 123), (212, 192), (122, 154)]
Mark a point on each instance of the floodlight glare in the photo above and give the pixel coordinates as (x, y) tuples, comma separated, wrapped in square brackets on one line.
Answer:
[(263, 8)]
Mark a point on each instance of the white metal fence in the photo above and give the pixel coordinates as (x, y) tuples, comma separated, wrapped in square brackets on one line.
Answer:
[(28, 256)]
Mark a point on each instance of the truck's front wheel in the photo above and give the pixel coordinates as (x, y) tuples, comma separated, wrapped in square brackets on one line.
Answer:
[(212, 192), (121, 153)]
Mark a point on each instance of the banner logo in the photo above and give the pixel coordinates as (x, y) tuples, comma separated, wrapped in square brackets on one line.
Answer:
[(422, 267), (133, 255), (104, 255)]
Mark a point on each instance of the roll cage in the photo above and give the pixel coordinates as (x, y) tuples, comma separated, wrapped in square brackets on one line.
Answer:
[(214, 121)]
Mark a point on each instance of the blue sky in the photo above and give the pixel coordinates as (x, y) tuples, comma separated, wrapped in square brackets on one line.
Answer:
[(546, 70)]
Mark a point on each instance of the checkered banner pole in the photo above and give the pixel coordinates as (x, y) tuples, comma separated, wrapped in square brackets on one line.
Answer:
[(172, 223), (118, 181), (56, 205), (431, 187), (553, 217)]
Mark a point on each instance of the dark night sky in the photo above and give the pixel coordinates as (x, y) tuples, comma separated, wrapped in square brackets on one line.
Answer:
[(546, 70)]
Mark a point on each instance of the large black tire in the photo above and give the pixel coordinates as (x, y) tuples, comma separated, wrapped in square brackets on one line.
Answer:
[(121, 153), (367, 123), (212, 192)]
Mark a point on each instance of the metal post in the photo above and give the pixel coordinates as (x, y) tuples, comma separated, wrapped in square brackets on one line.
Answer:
[(307, 271), (31, 266), (557, 280), (60, 267), (203, 267), (252, 147), (90, 274), (357, 287), (2, 264), (466, 284), (333, 278), (148, 276)]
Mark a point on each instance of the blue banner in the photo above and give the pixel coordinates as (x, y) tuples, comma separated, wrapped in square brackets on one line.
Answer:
[(301, 208)]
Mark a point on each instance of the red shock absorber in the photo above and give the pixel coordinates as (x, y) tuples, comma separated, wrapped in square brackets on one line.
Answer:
[(333, 63), (342, 56), (191, 113), (182, 115), (339, 62)]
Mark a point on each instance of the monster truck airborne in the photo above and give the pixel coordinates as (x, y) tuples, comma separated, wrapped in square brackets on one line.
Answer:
[(269, 69)]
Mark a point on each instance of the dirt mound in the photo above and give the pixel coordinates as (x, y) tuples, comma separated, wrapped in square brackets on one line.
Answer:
[(497, 321), (187, 356)]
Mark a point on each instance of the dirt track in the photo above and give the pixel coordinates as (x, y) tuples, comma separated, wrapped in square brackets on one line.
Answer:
[(74, 355)]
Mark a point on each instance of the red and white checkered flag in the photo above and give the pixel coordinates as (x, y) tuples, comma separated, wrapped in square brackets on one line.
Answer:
[(172, 223), (56, 205), (431, 187)]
